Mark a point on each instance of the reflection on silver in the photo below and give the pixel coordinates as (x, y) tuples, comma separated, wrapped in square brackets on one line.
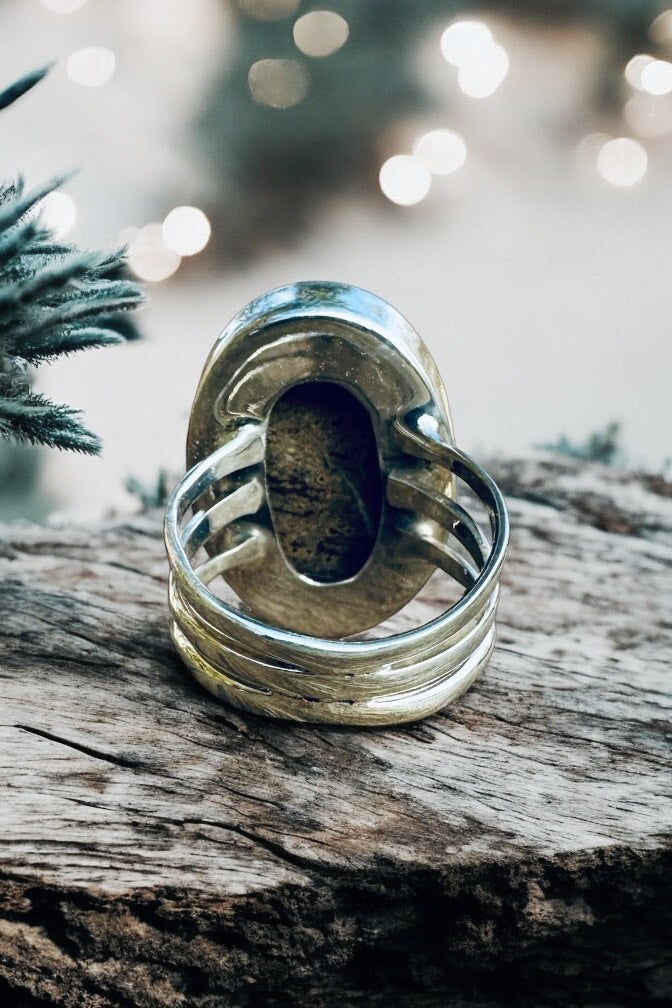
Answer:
[(262, 659)]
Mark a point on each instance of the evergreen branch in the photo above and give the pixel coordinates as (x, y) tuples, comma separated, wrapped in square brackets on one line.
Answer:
[(24, 84), (68, 269), (20, 238), (37, 420), (77, 305), (59, 342), (151, 495), (49, 249), (111, 264), (19, 204), (121, 323), (54, 299)]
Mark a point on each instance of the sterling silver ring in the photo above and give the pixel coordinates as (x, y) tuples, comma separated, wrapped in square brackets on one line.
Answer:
[(282, 652)]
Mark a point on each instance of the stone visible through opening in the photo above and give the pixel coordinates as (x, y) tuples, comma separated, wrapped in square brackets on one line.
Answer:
[(323, 480)]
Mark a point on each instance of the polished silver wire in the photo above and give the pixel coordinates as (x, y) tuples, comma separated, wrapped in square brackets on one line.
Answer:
[(283, 673)]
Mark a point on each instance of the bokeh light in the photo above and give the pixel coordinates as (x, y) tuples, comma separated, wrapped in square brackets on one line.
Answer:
[(268, 10), (92, 66), (465, 42), (482, 77), (661, 28), (63, 6), (585, 155), (441, 150), (148, 256), (320, 33), (482, 63), (58, 212), (404, 179), (622, 162), (186, 230), (647, 115), (635, 67), (279, 83), (656, 77)]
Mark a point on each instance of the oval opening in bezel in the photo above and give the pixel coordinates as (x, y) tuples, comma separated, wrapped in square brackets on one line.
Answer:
[(324, 481)]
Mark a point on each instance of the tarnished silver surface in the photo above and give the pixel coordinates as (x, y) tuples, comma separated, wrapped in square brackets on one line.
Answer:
[(282, 659), (333, 333)]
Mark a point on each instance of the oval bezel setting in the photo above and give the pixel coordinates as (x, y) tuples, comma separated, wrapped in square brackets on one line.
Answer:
[(323, 332)]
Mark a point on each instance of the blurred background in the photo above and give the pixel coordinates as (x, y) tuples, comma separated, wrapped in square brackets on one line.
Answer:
[(500, 173)]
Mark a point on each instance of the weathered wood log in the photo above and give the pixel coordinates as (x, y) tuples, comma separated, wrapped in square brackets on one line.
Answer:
[(160, 849)]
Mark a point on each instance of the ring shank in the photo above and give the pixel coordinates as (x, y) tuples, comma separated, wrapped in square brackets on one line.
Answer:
[(281, 673)]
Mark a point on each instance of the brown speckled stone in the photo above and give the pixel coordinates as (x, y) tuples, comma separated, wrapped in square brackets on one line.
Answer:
[(323, 477)]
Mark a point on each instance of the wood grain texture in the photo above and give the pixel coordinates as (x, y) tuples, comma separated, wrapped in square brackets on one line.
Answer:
[(159, 849)]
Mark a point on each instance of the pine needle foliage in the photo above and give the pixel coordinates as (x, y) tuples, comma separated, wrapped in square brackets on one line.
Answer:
[(54, 299), (600, 446)]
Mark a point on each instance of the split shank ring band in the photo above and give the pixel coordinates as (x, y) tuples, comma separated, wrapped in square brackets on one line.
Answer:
[(282, 653)]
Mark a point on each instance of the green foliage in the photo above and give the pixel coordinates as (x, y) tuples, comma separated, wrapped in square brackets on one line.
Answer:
[(23, 495), (153, 495), (54, 299), (22, 85), (600, 446)]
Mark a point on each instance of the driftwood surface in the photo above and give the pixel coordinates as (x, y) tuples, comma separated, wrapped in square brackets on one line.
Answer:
[(161, 849)]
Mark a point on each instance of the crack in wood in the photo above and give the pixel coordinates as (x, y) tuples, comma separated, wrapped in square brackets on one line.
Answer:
[(114, 758)]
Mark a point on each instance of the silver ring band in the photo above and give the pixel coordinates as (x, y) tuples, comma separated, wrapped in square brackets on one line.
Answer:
[(286, 674)]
